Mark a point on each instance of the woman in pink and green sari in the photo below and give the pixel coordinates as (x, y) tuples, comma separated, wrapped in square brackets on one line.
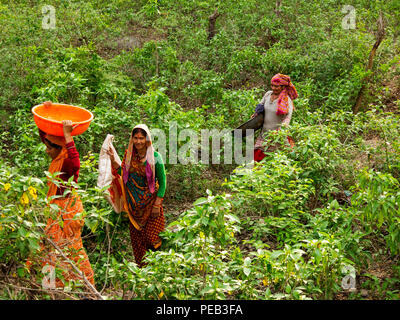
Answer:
[(142, 185)]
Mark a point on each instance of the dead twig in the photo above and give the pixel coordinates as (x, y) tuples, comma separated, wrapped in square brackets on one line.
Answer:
[(108, 255), (380, 34), (277, 10), (37, 289), (77, 270), (211, 24), (109, 249)]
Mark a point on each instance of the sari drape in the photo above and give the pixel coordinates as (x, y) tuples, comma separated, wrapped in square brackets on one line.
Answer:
[(67, 236), (65, 230), (138, 203)]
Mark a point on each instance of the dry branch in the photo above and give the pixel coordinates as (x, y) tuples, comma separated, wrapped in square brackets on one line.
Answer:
[(77, 270), (379, 37), (277, 10), (211, 24), (90, 286)]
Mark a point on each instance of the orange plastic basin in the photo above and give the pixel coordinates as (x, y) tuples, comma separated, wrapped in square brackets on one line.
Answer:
[(49, 118)]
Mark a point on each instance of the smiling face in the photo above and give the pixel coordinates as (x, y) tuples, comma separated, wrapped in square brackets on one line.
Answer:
[(139, 141)]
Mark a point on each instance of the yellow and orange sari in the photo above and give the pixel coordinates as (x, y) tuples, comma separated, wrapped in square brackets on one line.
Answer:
[(65, 231)]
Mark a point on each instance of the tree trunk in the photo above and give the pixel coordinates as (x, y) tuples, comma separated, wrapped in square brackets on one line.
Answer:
[(211, 24), (278, 4), (379, 37)]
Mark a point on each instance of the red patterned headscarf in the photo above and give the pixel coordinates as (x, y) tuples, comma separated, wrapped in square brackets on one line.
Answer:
[(288, 91)]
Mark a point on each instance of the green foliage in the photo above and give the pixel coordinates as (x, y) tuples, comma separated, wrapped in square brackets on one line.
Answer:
[(378, 199), (25, 209), (21, 198), (73, 76), (273, 189), (278, 230)]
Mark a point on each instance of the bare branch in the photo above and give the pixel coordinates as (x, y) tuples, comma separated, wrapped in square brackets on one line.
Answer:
[(380, 34), (211, 24), (78, 271), (278, 4)]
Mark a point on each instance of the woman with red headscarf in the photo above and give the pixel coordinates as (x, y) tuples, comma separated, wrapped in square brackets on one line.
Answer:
[(277, 107)]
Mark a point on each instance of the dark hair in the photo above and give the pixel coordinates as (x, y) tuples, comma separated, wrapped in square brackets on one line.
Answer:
[(136, 130), (51, 144)]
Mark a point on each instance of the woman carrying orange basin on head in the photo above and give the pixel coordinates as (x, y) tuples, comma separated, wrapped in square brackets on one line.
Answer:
[(65, 231)]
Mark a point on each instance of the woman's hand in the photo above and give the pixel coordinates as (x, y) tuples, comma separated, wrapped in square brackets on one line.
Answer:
[(158, 201), (67, 129), (254, 115), (111, 154), (112, 158), (155, 211), (156, 207)]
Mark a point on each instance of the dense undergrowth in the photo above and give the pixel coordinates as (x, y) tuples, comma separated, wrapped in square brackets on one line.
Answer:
[(299, 225)]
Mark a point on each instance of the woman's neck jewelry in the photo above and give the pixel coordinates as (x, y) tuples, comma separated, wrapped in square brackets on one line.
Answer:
[(141, 156)]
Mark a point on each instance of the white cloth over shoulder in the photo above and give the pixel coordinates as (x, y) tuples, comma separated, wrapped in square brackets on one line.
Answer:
[(105, 177)]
